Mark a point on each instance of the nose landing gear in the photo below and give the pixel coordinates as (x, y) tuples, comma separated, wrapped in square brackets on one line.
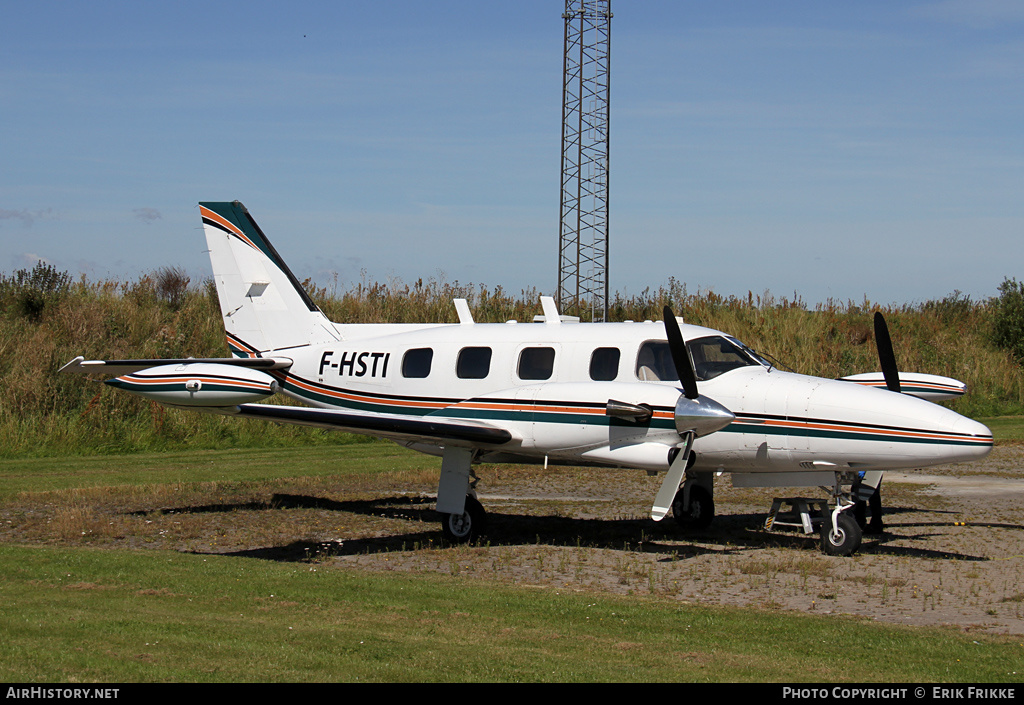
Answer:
[(840, 533)]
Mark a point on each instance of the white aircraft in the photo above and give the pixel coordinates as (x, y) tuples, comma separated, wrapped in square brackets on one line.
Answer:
[(552, 391)]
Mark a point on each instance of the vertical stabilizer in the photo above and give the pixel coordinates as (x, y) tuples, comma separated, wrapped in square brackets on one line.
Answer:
[(264, 306)]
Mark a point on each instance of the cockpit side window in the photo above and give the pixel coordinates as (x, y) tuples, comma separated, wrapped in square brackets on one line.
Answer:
[(716, 355), (654, 362), (711, 357)]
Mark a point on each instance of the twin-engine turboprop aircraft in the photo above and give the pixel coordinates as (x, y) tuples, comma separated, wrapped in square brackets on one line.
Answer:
[(664, 397)]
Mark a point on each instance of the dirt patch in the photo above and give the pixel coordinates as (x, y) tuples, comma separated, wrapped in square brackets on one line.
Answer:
[(952, 553)]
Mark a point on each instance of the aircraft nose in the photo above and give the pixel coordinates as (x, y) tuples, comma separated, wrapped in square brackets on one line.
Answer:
[(971, 428), (893, 430), (979, 432)]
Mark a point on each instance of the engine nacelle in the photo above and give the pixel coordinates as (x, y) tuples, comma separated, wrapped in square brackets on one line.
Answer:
[(916, 384), (198, 384)]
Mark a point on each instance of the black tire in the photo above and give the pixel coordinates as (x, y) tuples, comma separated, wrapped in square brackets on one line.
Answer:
[(845, 541), (701, 512), (468, 527)]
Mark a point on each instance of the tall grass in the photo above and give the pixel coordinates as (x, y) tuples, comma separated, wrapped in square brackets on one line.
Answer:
[(45, 320)]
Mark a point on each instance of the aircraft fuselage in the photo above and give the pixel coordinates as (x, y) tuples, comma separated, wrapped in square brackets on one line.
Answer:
[(549, 384)]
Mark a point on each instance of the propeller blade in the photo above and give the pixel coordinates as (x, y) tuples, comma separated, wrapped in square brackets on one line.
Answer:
[(673, 478), (886, 356), (680, 356)]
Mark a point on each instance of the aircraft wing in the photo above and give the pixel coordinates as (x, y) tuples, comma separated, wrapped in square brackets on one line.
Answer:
[(124, 367), (392, 426)]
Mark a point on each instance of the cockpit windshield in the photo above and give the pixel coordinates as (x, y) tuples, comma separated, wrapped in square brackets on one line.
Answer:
[(717, 354), (711, 356), (766, 360)]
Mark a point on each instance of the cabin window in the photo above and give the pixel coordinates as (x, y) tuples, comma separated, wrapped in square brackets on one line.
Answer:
[(536, 363), (473, 363), (604, 364), (416, 363)]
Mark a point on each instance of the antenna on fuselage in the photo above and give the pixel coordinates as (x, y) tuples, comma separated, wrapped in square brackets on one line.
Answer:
[(551, 315), (465, 315)]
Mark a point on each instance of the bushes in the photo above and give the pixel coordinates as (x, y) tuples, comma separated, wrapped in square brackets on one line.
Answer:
[(46, 320), (1008, 318), (28, 293)]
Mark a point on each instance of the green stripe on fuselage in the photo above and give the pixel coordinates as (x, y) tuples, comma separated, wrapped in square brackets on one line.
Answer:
[(762, 429), (540, 416)]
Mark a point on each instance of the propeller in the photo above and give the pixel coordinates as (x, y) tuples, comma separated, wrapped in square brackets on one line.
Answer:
[(695, 416), (680, 355), (887, 359), (694, 413), (886, 356)]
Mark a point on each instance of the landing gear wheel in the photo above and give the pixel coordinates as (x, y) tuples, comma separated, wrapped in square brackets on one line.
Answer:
[(845, 540), (701, 512), (468, 526)]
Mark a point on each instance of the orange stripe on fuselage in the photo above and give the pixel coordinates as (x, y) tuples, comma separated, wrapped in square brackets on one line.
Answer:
[(862, 429), (348, 396), (929, 385)]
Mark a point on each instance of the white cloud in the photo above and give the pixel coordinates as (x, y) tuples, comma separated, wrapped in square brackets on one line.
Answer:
[(28, 260), (26, 216), (147, 215)]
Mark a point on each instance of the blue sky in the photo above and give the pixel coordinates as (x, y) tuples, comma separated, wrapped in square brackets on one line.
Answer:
[(834, 150)]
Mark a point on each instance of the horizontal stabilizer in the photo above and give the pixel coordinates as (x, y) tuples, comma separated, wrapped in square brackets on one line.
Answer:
[(198, 384), (124, 367)]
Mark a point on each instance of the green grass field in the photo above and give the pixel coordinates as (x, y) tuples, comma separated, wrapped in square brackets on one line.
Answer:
[(248, 465), (1005, 428), (88, 615), (85, 614), (71, 612)]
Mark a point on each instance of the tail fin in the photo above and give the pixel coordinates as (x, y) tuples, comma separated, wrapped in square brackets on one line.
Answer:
[(264, 306)]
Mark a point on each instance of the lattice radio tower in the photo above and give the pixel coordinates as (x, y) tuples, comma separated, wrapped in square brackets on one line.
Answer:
[(583, 234)]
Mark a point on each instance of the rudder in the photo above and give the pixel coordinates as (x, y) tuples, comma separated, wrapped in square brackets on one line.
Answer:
[(264, 306)]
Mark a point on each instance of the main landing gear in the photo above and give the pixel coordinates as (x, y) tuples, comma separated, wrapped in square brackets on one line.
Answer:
[(463, 518), (465, 527), (694, 506)]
